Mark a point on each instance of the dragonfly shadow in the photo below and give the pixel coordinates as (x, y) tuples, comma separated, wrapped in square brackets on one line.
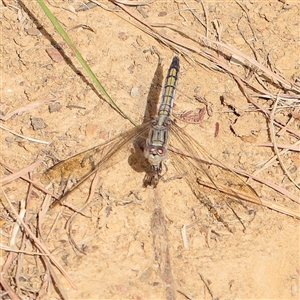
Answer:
[(154, 92), (137, 160)]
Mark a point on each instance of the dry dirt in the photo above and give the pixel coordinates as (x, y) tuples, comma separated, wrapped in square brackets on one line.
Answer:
[(115, 232)]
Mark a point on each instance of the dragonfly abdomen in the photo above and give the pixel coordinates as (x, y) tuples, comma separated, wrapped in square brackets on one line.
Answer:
[(156, 150), (167, 100)]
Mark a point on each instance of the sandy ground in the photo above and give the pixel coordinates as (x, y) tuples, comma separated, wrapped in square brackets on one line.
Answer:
[(115, 233)]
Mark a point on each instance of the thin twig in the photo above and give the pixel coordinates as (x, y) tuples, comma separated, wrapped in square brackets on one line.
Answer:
[(294, 147), (25, 137), (248, 18), (206, 285), (28, 107), (273, 139), (206, 17), (7, 288)]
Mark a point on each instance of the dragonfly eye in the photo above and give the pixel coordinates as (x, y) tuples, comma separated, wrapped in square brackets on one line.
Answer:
[(155, 154), (156, 151), (160, 151)]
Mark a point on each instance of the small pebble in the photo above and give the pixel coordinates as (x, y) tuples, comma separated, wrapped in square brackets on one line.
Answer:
[(33, 31), (54, 54), (53, 107), (134, 92), (38, 123), (122, 36), (197, 89), (294, 290), (162, 14)]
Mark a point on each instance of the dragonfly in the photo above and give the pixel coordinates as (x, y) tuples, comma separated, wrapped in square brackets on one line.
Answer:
[(209, 180)]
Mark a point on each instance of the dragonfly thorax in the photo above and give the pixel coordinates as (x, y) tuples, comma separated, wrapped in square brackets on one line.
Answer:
[(156, 145)]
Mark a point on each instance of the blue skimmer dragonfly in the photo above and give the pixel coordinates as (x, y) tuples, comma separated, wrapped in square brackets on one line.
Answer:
[(162, 137)]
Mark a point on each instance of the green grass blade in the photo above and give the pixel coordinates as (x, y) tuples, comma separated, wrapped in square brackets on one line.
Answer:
[(81, 59)]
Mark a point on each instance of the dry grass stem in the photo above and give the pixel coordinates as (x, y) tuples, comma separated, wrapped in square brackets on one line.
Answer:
[(25, 137), (20, 173), (26, 108), (42, 248), (273, 139)]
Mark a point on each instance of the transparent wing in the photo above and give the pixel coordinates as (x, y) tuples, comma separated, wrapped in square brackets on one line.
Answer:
[(82, 165), (227, 190)]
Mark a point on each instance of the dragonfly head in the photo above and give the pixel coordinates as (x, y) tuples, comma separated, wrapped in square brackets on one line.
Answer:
[(155, 155)]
